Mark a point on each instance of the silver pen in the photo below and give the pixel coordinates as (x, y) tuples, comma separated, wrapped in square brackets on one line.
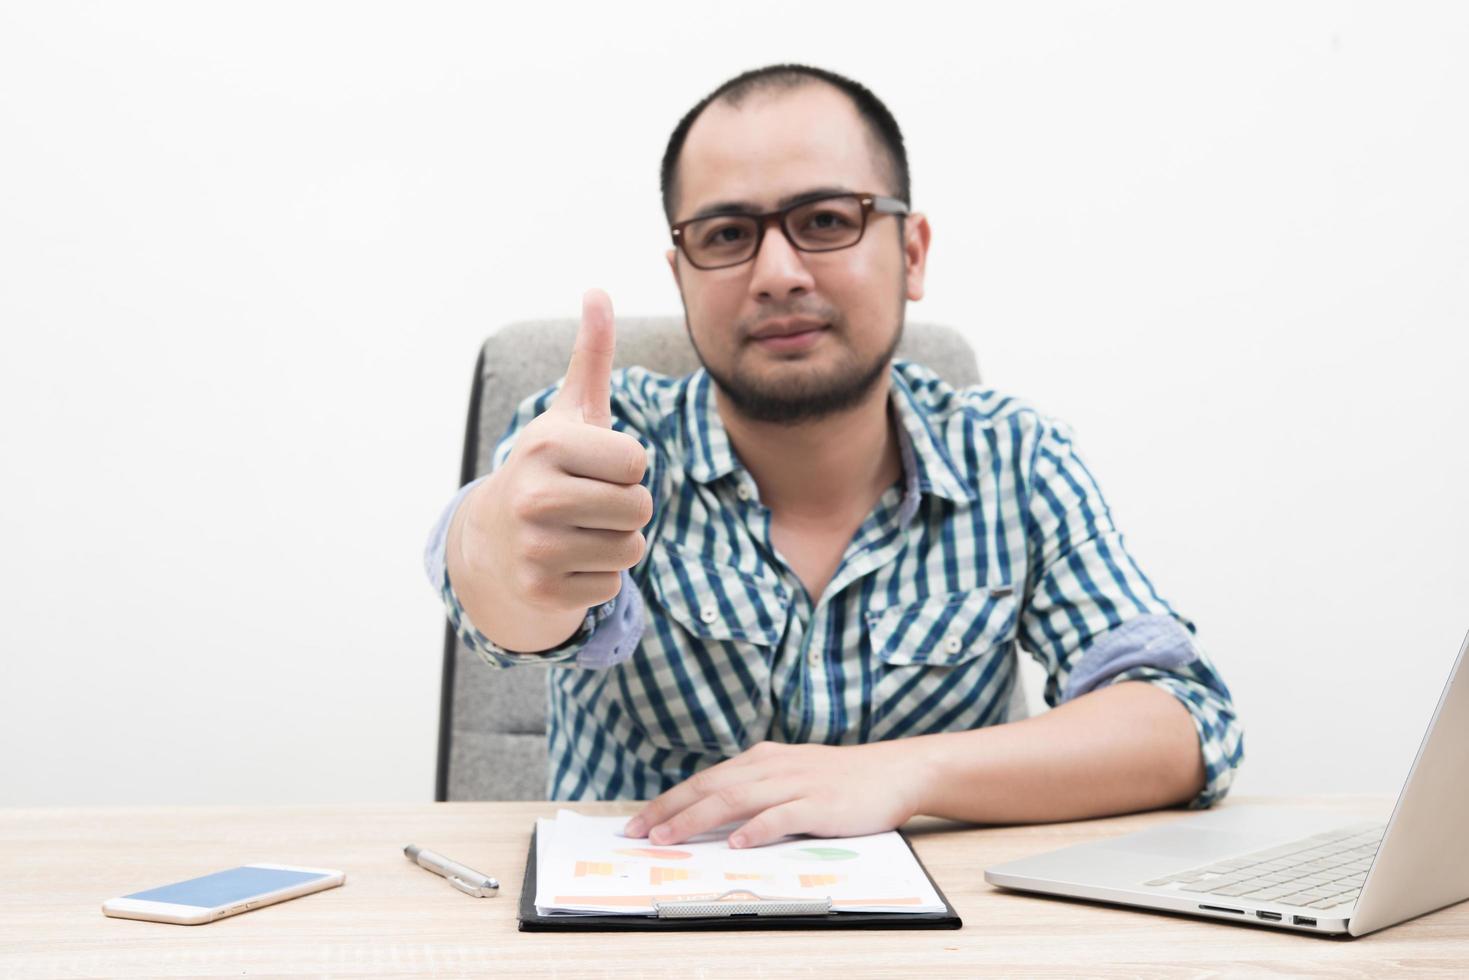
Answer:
[(467, 880)]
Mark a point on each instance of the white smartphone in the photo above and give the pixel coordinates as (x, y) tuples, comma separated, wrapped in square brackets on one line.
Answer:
[(222, 894)]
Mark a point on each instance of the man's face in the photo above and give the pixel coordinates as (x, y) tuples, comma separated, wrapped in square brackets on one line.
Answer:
[(789, 335)]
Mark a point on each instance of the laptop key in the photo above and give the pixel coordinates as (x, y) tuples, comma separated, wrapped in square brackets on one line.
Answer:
[(1304, 898), (1196, 886), (1232, 865), (1322, 879), (1232, 891)]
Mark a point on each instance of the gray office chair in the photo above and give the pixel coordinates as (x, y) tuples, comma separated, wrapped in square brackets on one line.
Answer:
[(492, 723)]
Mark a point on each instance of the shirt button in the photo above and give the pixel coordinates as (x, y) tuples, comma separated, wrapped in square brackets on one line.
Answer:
[(743, 491), (708, 614), (953, 645), (815, 658)]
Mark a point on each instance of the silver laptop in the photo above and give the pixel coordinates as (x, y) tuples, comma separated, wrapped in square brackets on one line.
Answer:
[(1287, 868)]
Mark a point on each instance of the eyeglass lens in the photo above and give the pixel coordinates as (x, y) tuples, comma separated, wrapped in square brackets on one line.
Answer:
[(817, 226)]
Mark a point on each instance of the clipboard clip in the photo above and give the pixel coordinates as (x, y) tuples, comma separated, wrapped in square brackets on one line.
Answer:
[(730, 904)]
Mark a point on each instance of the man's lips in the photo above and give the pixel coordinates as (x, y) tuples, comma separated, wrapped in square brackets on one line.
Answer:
[(786, 327), (797, 341)]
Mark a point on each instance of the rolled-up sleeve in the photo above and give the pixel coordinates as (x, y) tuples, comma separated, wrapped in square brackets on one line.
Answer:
[(608, 634), (1092, 618)]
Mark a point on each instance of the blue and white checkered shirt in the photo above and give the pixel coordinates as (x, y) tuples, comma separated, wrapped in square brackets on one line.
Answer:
[(996, 540)]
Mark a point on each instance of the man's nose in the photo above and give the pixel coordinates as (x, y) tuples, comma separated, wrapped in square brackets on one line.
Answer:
[(780, 269)]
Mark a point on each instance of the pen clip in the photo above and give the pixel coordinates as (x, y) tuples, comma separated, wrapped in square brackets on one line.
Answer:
[(469, 889)]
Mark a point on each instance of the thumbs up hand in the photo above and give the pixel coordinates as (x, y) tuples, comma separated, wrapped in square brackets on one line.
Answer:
[(548, 534)]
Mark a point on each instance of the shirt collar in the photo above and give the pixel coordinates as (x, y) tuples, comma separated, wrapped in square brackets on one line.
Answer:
[(706, 443), (927, 465)]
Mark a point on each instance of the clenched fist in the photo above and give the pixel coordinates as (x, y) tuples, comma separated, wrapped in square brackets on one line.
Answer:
[(547, 535)]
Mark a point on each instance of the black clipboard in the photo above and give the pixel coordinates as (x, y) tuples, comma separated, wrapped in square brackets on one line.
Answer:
[(532, 921)]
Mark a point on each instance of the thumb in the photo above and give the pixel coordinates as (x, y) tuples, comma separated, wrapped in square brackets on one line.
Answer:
[(588, 386)]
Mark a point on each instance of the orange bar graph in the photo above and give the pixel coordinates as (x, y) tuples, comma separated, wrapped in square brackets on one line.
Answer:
[(584, 868), (816, 881), (660, 875)]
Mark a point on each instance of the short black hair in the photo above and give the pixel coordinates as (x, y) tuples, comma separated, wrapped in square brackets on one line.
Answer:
[(883, 127)]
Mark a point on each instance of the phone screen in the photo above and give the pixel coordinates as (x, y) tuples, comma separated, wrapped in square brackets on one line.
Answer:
[(224, 887)]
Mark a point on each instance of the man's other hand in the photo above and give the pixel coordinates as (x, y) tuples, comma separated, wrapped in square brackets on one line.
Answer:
[(778, 789)]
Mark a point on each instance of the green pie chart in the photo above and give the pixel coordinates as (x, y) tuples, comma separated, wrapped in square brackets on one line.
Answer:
[(822, 854)]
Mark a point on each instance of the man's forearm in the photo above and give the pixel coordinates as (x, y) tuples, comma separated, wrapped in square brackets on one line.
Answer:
[(1131, 746)]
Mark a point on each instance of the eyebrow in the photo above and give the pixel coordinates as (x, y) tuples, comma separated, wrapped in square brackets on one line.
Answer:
[(745, 207)]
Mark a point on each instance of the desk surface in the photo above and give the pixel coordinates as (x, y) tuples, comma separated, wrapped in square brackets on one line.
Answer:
[(57, 865)]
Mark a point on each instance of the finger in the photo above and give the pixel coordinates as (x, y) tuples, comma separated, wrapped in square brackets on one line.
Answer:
[(580, 549), (791, 817), (599, 454), (597, 505), (587, 389), (683, 795), (733, 802)]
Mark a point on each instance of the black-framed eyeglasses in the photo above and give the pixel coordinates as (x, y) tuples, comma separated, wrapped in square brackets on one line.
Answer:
[(823, 224)]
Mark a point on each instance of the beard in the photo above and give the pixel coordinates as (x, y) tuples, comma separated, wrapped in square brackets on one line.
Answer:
[(808, 395)]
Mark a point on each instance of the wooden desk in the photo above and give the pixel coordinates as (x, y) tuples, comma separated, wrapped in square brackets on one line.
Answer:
[(391, 918)]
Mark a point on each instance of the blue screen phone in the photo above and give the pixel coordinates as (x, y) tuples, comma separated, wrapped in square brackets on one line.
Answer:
[(223, 887), (223, 893)]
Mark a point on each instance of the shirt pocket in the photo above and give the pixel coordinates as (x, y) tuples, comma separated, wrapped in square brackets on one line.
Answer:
[(933, 654), (705, 675)]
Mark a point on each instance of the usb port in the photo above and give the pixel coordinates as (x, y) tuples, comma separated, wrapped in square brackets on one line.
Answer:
[(1269, 916), (1302, 920)]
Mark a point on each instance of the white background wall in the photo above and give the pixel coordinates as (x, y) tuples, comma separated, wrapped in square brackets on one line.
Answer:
[(248, 251)]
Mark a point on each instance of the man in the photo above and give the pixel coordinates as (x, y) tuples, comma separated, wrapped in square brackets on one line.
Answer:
[(785, 592)]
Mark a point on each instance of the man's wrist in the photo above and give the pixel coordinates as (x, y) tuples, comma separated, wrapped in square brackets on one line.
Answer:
[(921, 758), (955, 771)]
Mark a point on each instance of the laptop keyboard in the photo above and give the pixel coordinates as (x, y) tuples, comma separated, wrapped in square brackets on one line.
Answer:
[(1318, 872)]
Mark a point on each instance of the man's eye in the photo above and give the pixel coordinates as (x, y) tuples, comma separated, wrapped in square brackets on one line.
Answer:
[(827, 221), (725, 235)]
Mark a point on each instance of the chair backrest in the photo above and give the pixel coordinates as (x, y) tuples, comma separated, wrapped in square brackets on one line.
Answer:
[(492, 723)]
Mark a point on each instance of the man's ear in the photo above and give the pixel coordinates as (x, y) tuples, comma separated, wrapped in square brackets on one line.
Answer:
[(673, 264), (916, 236)]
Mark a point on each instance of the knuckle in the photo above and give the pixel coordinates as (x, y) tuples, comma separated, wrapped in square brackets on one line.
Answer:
[(533, 442), (542, 587), (527, 506), (644, 500), (634, 461), (730, 797), (633, 546), (540, 548), (763, 750)]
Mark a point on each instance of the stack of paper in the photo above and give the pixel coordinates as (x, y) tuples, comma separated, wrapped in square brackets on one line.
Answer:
[(586, 865)]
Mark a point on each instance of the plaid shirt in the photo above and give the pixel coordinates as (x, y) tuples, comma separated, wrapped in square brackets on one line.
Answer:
[(997, 539)]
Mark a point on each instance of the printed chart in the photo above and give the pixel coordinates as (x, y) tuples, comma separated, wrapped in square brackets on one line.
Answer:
[(586, 865)]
